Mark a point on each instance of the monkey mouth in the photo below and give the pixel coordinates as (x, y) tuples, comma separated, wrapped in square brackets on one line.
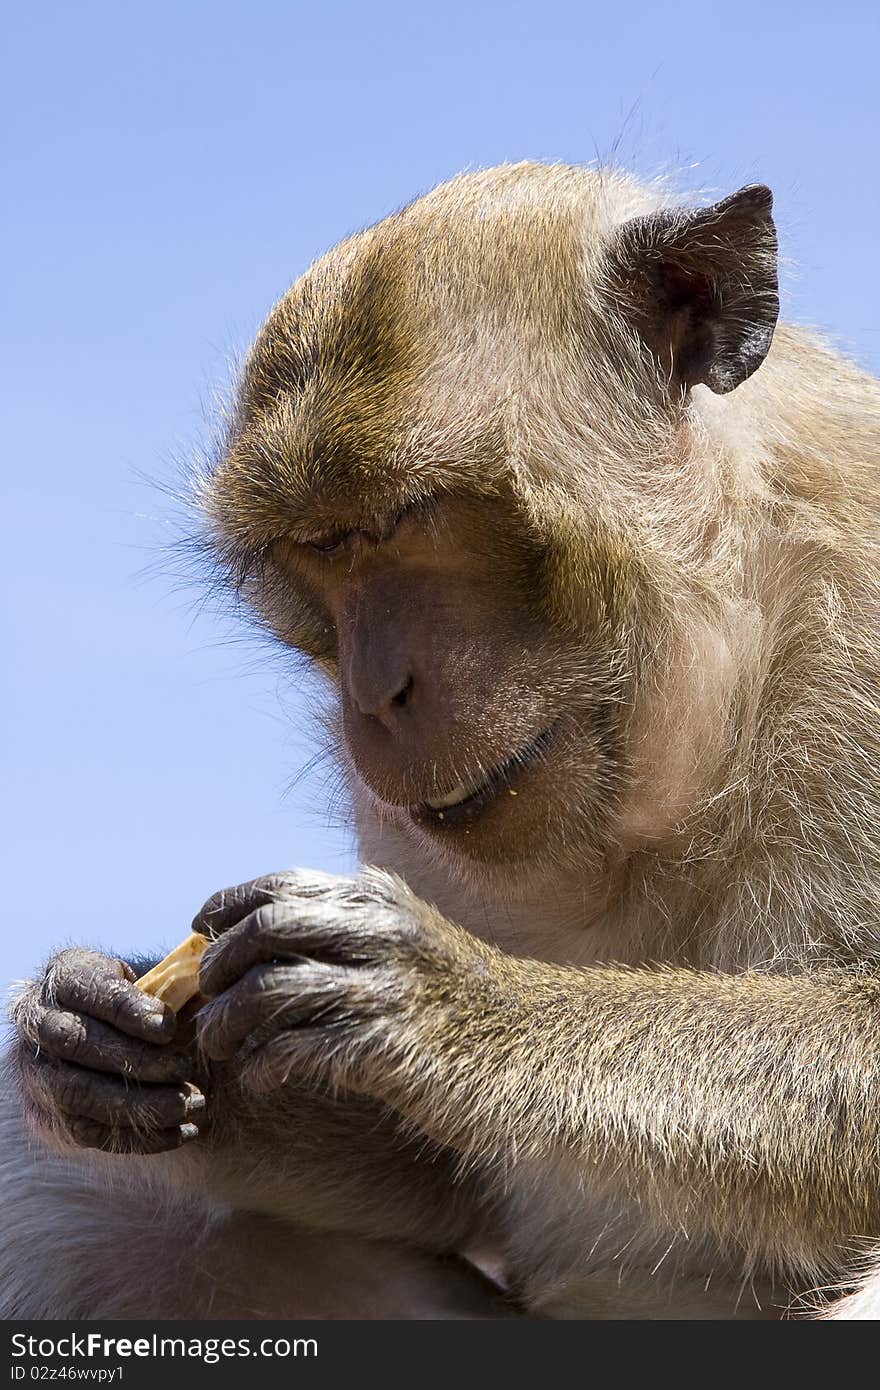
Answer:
[(466, 800)]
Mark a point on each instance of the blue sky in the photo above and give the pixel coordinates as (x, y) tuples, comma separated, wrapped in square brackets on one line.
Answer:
[(172, 168)]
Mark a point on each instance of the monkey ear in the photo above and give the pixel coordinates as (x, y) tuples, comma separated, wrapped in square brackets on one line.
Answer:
[(702, 287)]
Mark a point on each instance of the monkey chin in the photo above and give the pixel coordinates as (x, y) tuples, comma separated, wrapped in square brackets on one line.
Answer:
[(508, 855)]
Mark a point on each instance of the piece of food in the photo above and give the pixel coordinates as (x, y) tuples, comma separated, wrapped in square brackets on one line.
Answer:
[(175, 980)]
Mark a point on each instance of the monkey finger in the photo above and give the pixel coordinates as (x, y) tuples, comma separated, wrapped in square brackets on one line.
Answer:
[(279, 995), (307, 930), (88, 1134), (74, 1037), (93, 984), (72, 1090), (230, 905)]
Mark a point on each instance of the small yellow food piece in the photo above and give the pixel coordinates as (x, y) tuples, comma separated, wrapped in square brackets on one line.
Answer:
[(175, 980)]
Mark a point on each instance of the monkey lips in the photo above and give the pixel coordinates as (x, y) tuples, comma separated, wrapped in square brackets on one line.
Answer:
[(465, 802)]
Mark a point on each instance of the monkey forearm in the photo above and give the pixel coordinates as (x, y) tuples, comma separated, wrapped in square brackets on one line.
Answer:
[(751, 1091), (746, 1098)]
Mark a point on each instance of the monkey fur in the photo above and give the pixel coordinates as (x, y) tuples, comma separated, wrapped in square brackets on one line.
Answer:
[(584, 548)]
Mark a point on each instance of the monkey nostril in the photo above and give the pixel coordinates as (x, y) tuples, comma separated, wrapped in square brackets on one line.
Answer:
[(403, 694)]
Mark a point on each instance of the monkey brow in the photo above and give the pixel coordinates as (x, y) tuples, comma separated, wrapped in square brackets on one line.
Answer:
[(288, 476)]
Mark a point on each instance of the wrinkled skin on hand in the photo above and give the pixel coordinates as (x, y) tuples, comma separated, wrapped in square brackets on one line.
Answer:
[(313, 975), (98, 1062), (309, 976)]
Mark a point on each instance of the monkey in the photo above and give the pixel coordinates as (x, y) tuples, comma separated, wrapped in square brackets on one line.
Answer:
[(581, 543)]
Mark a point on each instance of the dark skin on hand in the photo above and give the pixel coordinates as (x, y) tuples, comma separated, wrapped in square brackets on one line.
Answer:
[(95, 1034), (89, 1015)]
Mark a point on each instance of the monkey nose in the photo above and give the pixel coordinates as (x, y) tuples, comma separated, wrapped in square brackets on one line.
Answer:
[(387, 701)]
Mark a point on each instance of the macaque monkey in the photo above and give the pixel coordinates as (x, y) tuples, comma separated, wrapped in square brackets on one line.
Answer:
[(584, 548)]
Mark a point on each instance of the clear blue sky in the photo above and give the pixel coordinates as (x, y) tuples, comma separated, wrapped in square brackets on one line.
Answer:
[(169, 169)]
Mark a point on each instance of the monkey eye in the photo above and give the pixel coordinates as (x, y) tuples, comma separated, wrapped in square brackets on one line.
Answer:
[(337, 540), (326, 545)]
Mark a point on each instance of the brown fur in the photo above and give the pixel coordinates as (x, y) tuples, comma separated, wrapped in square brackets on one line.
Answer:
[(652, 1034)]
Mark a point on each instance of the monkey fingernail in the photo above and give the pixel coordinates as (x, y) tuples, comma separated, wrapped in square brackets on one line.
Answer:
[(195, 1103), (160, 1023)]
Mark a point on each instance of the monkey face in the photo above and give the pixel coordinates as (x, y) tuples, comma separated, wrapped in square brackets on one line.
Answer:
[(465, 716), (462, 478)]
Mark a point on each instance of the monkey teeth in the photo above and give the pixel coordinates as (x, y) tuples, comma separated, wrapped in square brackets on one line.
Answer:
[(456, 796)]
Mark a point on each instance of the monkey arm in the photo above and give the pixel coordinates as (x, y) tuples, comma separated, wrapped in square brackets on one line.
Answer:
[(738, 1100), (745, 1105)]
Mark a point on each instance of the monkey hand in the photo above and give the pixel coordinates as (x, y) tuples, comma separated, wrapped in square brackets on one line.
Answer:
[(96, 1064), (341, 981)]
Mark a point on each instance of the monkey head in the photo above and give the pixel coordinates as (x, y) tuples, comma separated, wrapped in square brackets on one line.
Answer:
[(463, 476)]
